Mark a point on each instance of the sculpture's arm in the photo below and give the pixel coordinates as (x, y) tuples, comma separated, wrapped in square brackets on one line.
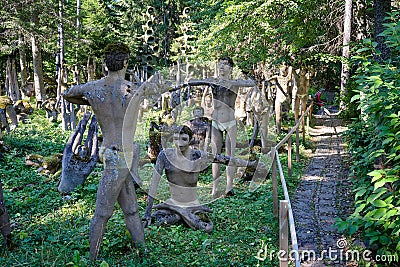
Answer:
[(290, 71), (155, 179), (207, 140), (275, 77), (243, 83), (76, 94), (296, 76), (227, 160), (155, 85)]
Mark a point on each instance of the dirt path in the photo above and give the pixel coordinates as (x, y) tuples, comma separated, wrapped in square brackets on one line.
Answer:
[(321, 197)]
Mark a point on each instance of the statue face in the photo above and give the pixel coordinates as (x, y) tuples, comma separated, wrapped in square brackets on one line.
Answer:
[(198, 113), (224, 69), (208, 100), (181, 141)]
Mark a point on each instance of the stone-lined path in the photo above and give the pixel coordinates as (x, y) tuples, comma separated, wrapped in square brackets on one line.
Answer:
[(322, 196)]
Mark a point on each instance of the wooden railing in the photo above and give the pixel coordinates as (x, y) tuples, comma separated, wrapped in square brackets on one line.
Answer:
[(286, 219)]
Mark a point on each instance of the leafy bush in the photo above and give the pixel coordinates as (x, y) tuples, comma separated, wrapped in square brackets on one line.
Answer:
[(374, 144)]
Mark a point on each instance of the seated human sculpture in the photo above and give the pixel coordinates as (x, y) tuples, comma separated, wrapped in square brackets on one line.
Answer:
[(182, 166)]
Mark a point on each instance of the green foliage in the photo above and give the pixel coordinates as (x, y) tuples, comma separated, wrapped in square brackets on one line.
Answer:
[(374, 145)]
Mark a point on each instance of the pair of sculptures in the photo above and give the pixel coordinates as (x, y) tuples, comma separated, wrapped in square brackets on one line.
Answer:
[(292, 85), (115, 103)]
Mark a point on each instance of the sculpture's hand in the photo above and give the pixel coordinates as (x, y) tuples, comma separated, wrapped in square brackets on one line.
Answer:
[(146, 220), (79, 160), (261, 167), (253, 164), (156, 85)]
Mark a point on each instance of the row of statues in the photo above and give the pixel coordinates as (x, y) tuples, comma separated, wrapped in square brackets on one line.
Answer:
[(117, 104)]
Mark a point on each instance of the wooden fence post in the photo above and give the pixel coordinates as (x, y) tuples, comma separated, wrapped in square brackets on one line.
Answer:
[(283, 234), (289, 153), (297, 145), (274, 182), (309, 117), (303, 129)]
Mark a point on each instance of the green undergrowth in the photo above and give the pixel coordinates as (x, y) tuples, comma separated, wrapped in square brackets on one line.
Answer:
[(49, 230)]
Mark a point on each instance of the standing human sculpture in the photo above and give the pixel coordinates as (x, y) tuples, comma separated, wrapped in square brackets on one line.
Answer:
[(283, 92), (302, 80), (224, 92), (110, 98)]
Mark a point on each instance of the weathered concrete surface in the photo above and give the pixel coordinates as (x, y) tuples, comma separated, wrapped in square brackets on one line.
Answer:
[(322, 196)]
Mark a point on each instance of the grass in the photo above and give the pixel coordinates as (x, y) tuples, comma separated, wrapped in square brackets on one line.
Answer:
[(51, 231)]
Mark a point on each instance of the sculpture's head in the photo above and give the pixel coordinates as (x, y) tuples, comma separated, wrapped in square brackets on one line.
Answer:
[(225, 66), (116, 56), (182, 137), (198, 112)]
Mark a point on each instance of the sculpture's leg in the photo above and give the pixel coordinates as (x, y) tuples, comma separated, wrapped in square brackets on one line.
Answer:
[(107, 194), (195, 217), (264, 130), (296, 108), (278, 115), (3, 121), (13, 116), (230, 146), (216, 148), (128, 203)]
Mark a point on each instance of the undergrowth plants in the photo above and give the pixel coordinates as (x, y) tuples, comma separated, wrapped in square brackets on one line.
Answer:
[(374, 145)]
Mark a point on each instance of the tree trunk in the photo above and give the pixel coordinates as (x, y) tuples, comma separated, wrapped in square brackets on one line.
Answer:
[(381, 8), (78, 27), (60, 54), (12, 88), (362, 20), (23, 65), (346, 49), (67, 109), (40, 93)]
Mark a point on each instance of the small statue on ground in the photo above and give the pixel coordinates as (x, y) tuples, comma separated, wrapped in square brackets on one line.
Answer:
[(52, 111), (182, 166), (23, 109), (283, 91), (46, 165), (154, 142), (7, 107)]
